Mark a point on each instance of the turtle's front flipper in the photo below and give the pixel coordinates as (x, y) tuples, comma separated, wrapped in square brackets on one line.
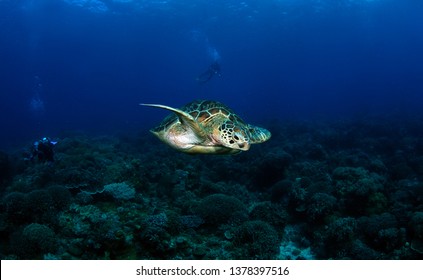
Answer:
[(184, 118), (258, 134)]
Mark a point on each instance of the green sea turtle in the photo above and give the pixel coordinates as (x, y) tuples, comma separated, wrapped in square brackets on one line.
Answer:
[(207, 127)]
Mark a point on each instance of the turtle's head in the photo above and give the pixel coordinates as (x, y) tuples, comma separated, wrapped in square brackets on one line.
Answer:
[(233, 136)]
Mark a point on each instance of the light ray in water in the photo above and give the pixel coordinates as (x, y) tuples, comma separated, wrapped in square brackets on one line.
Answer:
[(36, 103)]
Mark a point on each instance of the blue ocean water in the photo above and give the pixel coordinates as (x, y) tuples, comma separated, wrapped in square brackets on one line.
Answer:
[(86, 64), (338, 83)]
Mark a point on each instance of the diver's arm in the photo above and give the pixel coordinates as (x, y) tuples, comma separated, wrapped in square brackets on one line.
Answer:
[(205, 77)]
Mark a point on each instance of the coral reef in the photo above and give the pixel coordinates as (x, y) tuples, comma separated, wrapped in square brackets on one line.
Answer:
[(217, 209), (34, 241), (259, 240), (347, 190), (120, 191)]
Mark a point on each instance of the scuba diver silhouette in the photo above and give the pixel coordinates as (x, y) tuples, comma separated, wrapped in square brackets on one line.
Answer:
[(214, 69), (41, 150)]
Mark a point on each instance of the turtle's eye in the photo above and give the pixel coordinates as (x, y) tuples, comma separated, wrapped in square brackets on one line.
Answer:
[(240, 137), (241, 140)]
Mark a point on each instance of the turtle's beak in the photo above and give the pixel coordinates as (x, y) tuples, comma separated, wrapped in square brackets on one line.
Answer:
[(244, 146)]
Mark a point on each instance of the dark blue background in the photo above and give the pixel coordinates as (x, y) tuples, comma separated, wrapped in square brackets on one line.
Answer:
[(302, 59)]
